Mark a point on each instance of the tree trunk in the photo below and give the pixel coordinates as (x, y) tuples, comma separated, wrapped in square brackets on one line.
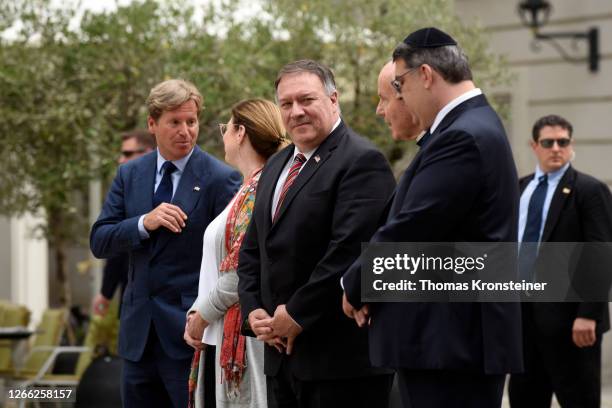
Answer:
[(55, 232)]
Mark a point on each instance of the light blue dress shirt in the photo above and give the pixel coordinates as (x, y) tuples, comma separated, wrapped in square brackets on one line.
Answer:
[(176, 177), (553, 182)]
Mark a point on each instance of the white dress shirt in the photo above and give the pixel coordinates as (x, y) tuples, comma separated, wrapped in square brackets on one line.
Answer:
[(285, 172), (176, 177), (553, 181), (451, 105)]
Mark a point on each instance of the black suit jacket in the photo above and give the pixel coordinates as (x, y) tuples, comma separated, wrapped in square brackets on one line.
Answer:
[(580, 211), (333, 206), (459, 187)]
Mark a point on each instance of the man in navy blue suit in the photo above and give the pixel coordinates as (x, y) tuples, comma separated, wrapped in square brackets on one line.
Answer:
[(461, 186), (156, 211)]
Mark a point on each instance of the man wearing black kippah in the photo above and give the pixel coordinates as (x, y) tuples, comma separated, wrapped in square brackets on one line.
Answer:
[(461, 186)]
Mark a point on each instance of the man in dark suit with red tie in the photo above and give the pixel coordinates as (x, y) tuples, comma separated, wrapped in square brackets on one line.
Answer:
[(461, 186), (562, 340), (317, 200)]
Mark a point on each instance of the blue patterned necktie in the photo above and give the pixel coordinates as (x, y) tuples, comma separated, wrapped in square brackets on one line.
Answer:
[(163, 194), (529, 249)]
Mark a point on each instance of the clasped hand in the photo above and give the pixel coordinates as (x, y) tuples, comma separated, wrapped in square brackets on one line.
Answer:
[(361, 316), (194, 330), (278, 331)]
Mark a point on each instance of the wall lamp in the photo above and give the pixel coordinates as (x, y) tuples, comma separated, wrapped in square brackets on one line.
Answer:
[(535, 14)]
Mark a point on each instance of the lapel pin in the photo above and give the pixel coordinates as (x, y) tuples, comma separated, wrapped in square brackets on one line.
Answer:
[(317, 158), (566, 190), (196, 188)]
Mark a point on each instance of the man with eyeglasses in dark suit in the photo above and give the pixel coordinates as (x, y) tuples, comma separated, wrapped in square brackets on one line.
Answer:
[(562, 341)]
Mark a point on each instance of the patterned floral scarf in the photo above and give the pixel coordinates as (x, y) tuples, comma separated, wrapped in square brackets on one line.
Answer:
[(233, 350), (233, 346)]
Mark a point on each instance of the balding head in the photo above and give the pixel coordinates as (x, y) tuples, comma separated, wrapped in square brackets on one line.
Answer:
[(391, 107)]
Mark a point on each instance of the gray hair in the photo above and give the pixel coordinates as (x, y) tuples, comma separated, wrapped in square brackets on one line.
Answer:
[(312, 67), (449, 61)]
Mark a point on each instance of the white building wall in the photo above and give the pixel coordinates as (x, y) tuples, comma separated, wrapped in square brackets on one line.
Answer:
[(545, 83), (24, 264)]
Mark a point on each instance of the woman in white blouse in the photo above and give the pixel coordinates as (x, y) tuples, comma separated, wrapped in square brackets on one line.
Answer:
[(254, 132)]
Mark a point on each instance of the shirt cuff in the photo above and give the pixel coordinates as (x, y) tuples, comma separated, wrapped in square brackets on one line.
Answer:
[(141, 229)]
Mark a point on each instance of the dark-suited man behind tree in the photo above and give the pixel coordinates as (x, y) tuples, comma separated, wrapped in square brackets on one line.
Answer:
[(133, 145), (317, 200), (156, 211), (461, 186), (562, 341)]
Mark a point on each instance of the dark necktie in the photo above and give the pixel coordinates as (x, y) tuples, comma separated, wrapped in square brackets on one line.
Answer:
[(298, 161), (529, 249), (163, 194)]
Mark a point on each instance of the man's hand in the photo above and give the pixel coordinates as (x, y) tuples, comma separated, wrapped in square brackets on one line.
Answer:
[(165, 215), (258, 321), (283, 326), (583, 332), (100, 305), (361, 316)]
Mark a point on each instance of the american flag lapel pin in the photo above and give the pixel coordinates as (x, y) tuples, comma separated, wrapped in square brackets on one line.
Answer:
[(317, 158), (196, 188), (566, 190)]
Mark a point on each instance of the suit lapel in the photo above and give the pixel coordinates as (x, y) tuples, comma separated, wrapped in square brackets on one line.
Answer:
[(564, 189), (266, 187), (187, 195), (145, 183), (323, 152), (524, 182), (401, 189), (191, 184)]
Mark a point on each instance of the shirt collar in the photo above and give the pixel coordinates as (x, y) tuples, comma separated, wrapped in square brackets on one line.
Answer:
[(554, 176), (451, 105), (180, 163), (419, 137), (309, 153)]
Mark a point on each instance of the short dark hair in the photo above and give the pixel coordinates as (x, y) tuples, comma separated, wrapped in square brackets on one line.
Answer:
[(550, 120), (309, 66), (143, 138), (449, 61)]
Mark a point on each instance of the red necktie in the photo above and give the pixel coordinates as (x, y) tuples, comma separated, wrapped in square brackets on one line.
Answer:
[(298, 161)]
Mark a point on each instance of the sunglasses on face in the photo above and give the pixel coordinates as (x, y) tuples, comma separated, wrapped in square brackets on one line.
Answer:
[(548, 143), (397, 84), (129, 153)]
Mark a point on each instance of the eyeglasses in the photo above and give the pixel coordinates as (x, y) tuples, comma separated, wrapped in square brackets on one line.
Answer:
[(548, 143), (396, 84), (129, 153), (223, 127)]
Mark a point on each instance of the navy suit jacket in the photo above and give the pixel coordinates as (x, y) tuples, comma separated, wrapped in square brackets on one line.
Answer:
[(460, 187), (163, 270)]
